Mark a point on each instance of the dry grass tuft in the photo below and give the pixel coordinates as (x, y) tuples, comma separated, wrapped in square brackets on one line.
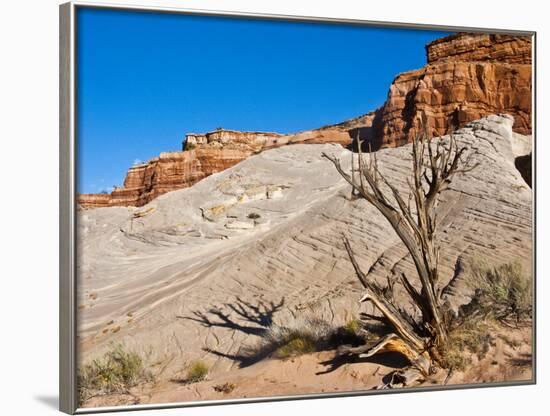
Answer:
[(296, 346), (305, 334), (473, 337), (115, 372), (301, 335), (197, 371), (352, 327), (503, 293)]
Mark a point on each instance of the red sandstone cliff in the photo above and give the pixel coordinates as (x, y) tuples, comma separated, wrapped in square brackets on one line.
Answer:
[(203, 155), (467, 76), (467, 47), (206, 154)]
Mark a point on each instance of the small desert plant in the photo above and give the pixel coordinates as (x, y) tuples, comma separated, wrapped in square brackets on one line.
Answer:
[(454, 358), (116, 371), (476, 337), (352, 327), (299, 335), (472, 336), (253, 216), (349, 334), (224, 388), (190, 146), (197, 371), (305, 334), (501, 292), (296, 346)]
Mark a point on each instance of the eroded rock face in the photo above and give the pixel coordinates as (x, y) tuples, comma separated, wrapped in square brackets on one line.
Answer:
[(203, 155), (464, 47), (221, 138), (468, 76), (207, 154), (168, 172)]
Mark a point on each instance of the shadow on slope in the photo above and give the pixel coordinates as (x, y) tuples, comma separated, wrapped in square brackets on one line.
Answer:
[(242, 316), (297, 335), (260, 315)]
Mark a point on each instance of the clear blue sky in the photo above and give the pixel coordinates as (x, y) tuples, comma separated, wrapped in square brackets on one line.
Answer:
[(146, 79)]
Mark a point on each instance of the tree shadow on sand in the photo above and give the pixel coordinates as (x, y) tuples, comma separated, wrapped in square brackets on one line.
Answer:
[(387, 359), (260, 315), (257, 319), (242, 316)]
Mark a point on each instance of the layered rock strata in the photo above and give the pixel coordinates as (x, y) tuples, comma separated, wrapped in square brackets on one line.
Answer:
[(464, 47), (201, 156), (468, 76)]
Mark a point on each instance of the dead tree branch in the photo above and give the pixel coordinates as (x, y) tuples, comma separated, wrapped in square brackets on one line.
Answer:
[(434, 165)]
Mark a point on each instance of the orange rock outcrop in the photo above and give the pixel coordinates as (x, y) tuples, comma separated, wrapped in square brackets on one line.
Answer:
[(468, 76), (467, 47), (201, 156)]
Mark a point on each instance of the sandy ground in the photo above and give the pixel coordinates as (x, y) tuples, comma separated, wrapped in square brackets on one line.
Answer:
[(509, 359)]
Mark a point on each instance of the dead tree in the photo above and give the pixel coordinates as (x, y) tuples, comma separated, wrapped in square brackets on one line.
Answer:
[(433, 167)]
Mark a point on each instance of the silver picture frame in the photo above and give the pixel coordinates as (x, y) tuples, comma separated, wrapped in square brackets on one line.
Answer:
[(68, 90)]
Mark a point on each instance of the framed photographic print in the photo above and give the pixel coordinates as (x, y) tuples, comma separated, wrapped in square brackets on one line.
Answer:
[(261, 207)]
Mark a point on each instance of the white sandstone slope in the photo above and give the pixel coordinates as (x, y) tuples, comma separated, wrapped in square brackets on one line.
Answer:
[(267, 234)]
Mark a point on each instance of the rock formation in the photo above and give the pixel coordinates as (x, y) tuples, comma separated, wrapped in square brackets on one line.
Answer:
[(232, 139), (191, 266), (464, 47), (468, 76), (201, 156), (523, 164)]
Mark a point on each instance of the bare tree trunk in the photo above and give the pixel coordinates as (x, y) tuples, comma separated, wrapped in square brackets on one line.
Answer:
[(433, 170)]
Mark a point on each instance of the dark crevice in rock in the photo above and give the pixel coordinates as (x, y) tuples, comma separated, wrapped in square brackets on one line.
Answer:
[(523, 165)]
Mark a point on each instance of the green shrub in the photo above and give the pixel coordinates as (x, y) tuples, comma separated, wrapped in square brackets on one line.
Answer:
[(304, 334), (473, 336), (352, 327), (501, 292), (296, 346), (190, 146), (197, 371), (116, 371), (453, 358)]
